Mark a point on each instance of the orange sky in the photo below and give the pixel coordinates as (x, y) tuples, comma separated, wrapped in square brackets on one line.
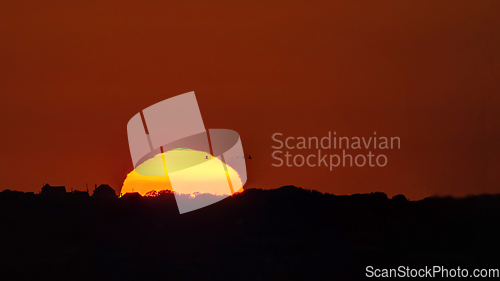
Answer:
[(72, 73)]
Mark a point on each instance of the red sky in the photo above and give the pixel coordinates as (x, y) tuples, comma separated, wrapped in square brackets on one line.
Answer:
[(72, 73)]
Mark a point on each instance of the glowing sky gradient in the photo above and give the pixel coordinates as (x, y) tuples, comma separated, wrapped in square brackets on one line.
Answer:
[(73, 73)]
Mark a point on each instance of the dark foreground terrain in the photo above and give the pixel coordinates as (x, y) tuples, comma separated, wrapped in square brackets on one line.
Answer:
[(283, 234)]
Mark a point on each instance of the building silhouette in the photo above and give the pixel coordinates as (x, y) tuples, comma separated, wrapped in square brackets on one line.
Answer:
[(104, 191), (79, 194), (53, 191)]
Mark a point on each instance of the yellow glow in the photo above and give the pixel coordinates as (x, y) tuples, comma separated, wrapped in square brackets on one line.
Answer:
[(191, 171)]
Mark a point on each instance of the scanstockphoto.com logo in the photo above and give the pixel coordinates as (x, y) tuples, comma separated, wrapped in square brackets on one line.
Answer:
[(169, 139)]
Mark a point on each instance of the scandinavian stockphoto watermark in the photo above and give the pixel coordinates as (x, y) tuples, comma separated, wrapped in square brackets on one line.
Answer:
[(345, 150)]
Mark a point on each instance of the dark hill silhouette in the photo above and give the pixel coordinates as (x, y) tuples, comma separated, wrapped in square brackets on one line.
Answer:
[(284, 234)]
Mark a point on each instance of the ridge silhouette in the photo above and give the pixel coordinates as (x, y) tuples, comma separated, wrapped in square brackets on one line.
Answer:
[(287, 233)]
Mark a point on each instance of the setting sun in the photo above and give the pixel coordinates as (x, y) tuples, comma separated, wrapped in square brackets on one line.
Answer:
[(188, 172)]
